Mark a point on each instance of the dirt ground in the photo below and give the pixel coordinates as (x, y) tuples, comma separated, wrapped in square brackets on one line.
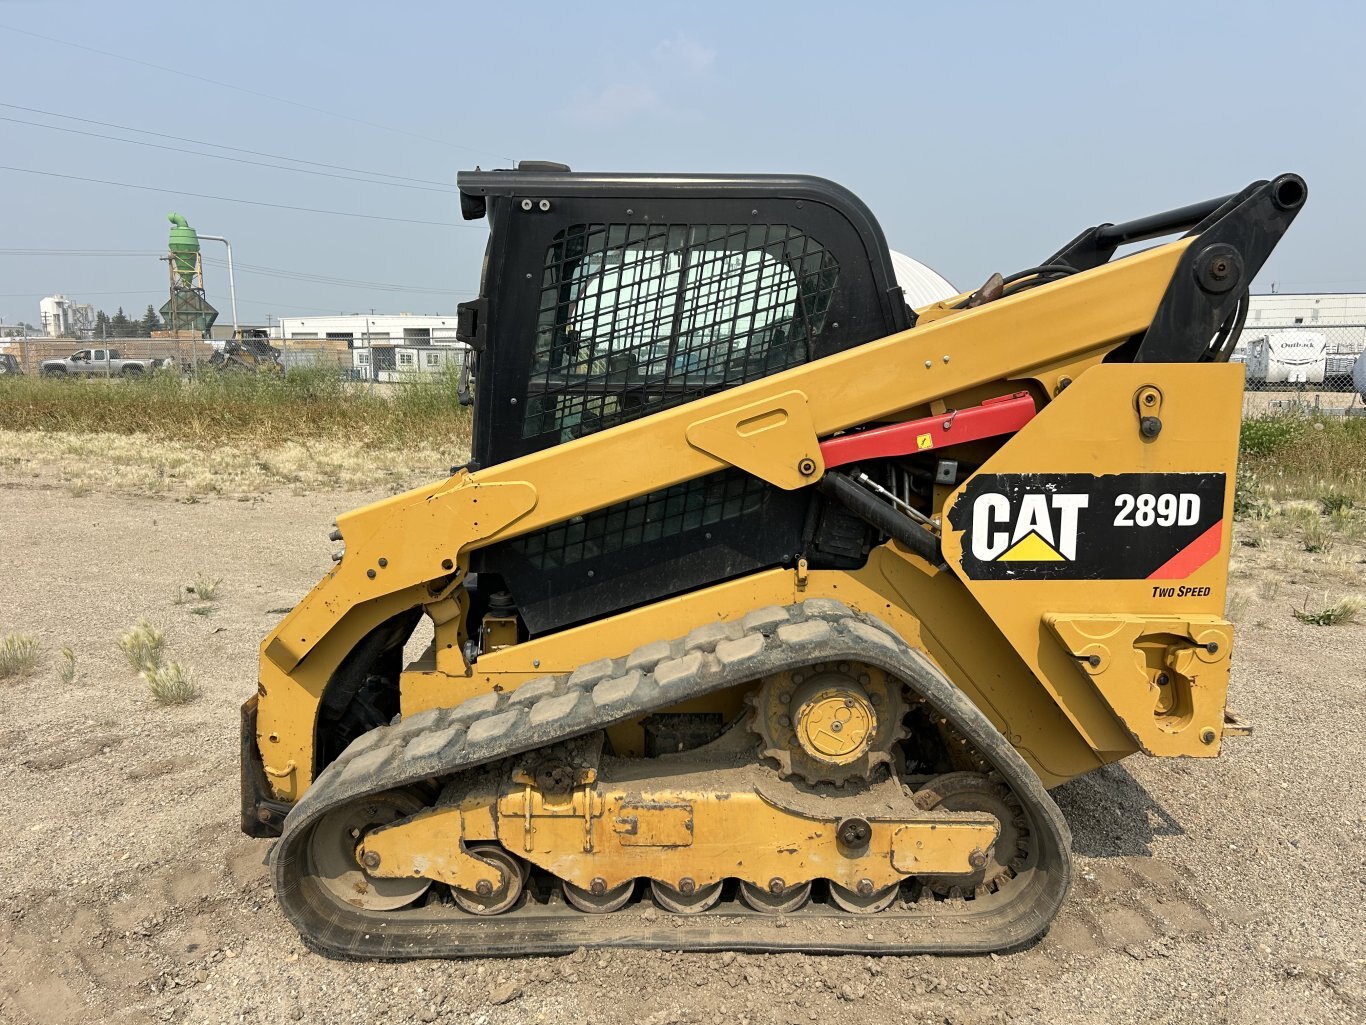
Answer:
[(1231, 890)]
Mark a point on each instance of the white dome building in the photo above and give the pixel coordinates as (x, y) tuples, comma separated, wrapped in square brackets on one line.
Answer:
[(922, 285)]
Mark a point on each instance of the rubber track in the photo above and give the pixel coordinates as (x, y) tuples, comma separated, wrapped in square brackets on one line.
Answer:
[(439, 742)]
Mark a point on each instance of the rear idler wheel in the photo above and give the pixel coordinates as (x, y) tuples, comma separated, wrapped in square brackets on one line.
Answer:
[(687, 899), (514, 871), (857, 903), (597, 899), (775, 898), (332, 853)]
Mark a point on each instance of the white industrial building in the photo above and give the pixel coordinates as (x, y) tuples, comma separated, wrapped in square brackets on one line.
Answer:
[(370, 329), (383, 346), (65, 318), (397, 362), (1308, 308)]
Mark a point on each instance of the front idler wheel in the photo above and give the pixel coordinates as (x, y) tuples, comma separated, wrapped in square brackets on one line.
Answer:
[(332, 851)]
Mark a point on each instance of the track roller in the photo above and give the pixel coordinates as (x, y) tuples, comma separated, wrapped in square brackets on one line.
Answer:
[(688, 899), (860, 903), (599, 903), (514, 870), (775, 899)]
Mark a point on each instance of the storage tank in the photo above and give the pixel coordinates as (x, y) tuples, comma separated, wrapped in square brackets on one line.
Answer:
[(184, 248)]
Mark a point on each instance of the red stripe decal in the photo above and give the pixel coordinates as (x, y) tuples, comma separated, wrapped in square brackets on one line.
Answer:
[(1193, 556)]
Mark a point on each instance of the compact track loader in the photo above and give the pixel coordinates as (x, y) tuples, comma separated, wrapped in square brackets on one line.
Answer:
[(766, 605)]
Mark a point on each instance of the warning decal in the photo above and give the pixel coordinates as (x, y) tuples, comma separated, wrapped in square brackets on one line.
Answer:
[(1076, 526)]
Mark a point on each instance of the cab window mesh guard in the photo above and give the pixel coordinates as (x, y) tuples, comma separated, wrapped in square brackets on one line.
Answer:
[(636, 317)]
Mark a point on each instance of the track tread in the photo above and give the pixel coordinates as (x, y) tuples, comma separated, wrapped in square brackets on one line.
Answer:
[(497, 725)]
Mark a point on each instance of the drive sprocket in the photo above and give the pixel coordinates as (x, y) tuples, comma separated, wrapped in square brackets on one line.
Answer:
[(1009, 855), (832, 722)]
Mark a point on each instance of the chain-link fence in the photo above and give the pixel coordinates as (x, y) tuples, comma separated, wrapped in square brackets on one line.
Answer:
[(1290, 366), (1313, 367), (112, 357)]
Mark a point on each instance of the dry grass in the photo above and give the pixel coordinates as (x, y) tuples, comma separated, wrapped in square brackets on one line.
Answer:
[(230, 436), (1319, 460), (171, 684), (67, 667), (1316, 537), (143, 645), (217, 409), (20, 655), (205, 588)]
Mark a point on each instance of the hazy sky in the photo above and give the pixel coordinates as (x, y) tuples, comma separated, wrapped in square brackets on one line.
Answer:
[(982, 135)]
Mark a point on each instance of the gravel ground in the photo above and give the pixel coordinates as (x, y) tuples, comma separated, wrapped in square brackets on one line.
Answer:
[(1221, 891)]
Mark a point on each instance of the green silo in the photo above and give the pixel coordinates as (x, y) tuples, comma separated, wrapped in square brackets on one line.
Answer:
[(184, 248)]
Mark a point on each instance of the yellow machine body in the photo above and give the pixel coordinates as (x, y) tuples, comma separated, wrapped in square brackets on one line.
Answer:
[(1055, 603), (992, 638)]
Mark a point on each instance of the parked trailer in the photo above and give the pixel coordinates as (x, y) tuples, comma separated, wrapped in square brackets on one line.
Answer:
[(1288, 357)]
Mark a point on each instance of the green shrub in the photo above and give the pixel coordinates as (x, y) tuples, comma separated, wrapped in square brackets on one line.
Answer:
[(1265, 435), (1247, 500), (1334, 502)]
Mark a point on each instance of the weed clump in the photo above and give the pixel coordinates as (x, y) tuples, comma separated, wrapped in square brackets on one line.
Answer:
[(67, 669), (19, 656), (171, 684), (1334, 503), (1316, 537), (143, 646), (1344, 611)]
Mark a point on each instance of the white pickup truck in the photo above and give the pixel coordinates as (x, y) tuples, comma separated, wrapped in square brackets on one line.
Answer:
[(99, 363)]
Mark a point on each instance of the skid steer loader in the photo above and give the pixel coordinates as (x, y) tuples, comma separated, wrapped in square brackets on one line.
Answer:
[(764, 599)]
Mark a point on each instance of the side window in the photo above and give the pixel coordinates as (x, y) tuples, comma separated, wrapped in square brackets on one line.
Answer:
[(636, 317)]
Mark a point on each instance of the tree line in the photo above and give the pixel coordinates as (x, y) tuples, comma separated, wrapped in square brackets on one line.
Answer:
[(120, 325)]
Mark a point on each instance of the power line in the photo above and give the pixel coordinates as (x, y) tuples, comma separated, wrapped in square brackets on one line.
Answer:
[(232, 199), (80, 252), (249, 268), (219, 145), (251, 92), (325, 279), (82, 293), (220, 156)]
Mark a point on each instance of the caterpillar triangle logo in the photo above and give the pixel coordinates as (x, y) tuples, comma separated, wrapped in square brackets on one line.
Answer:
[(1039, 527), (1031, 548)]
